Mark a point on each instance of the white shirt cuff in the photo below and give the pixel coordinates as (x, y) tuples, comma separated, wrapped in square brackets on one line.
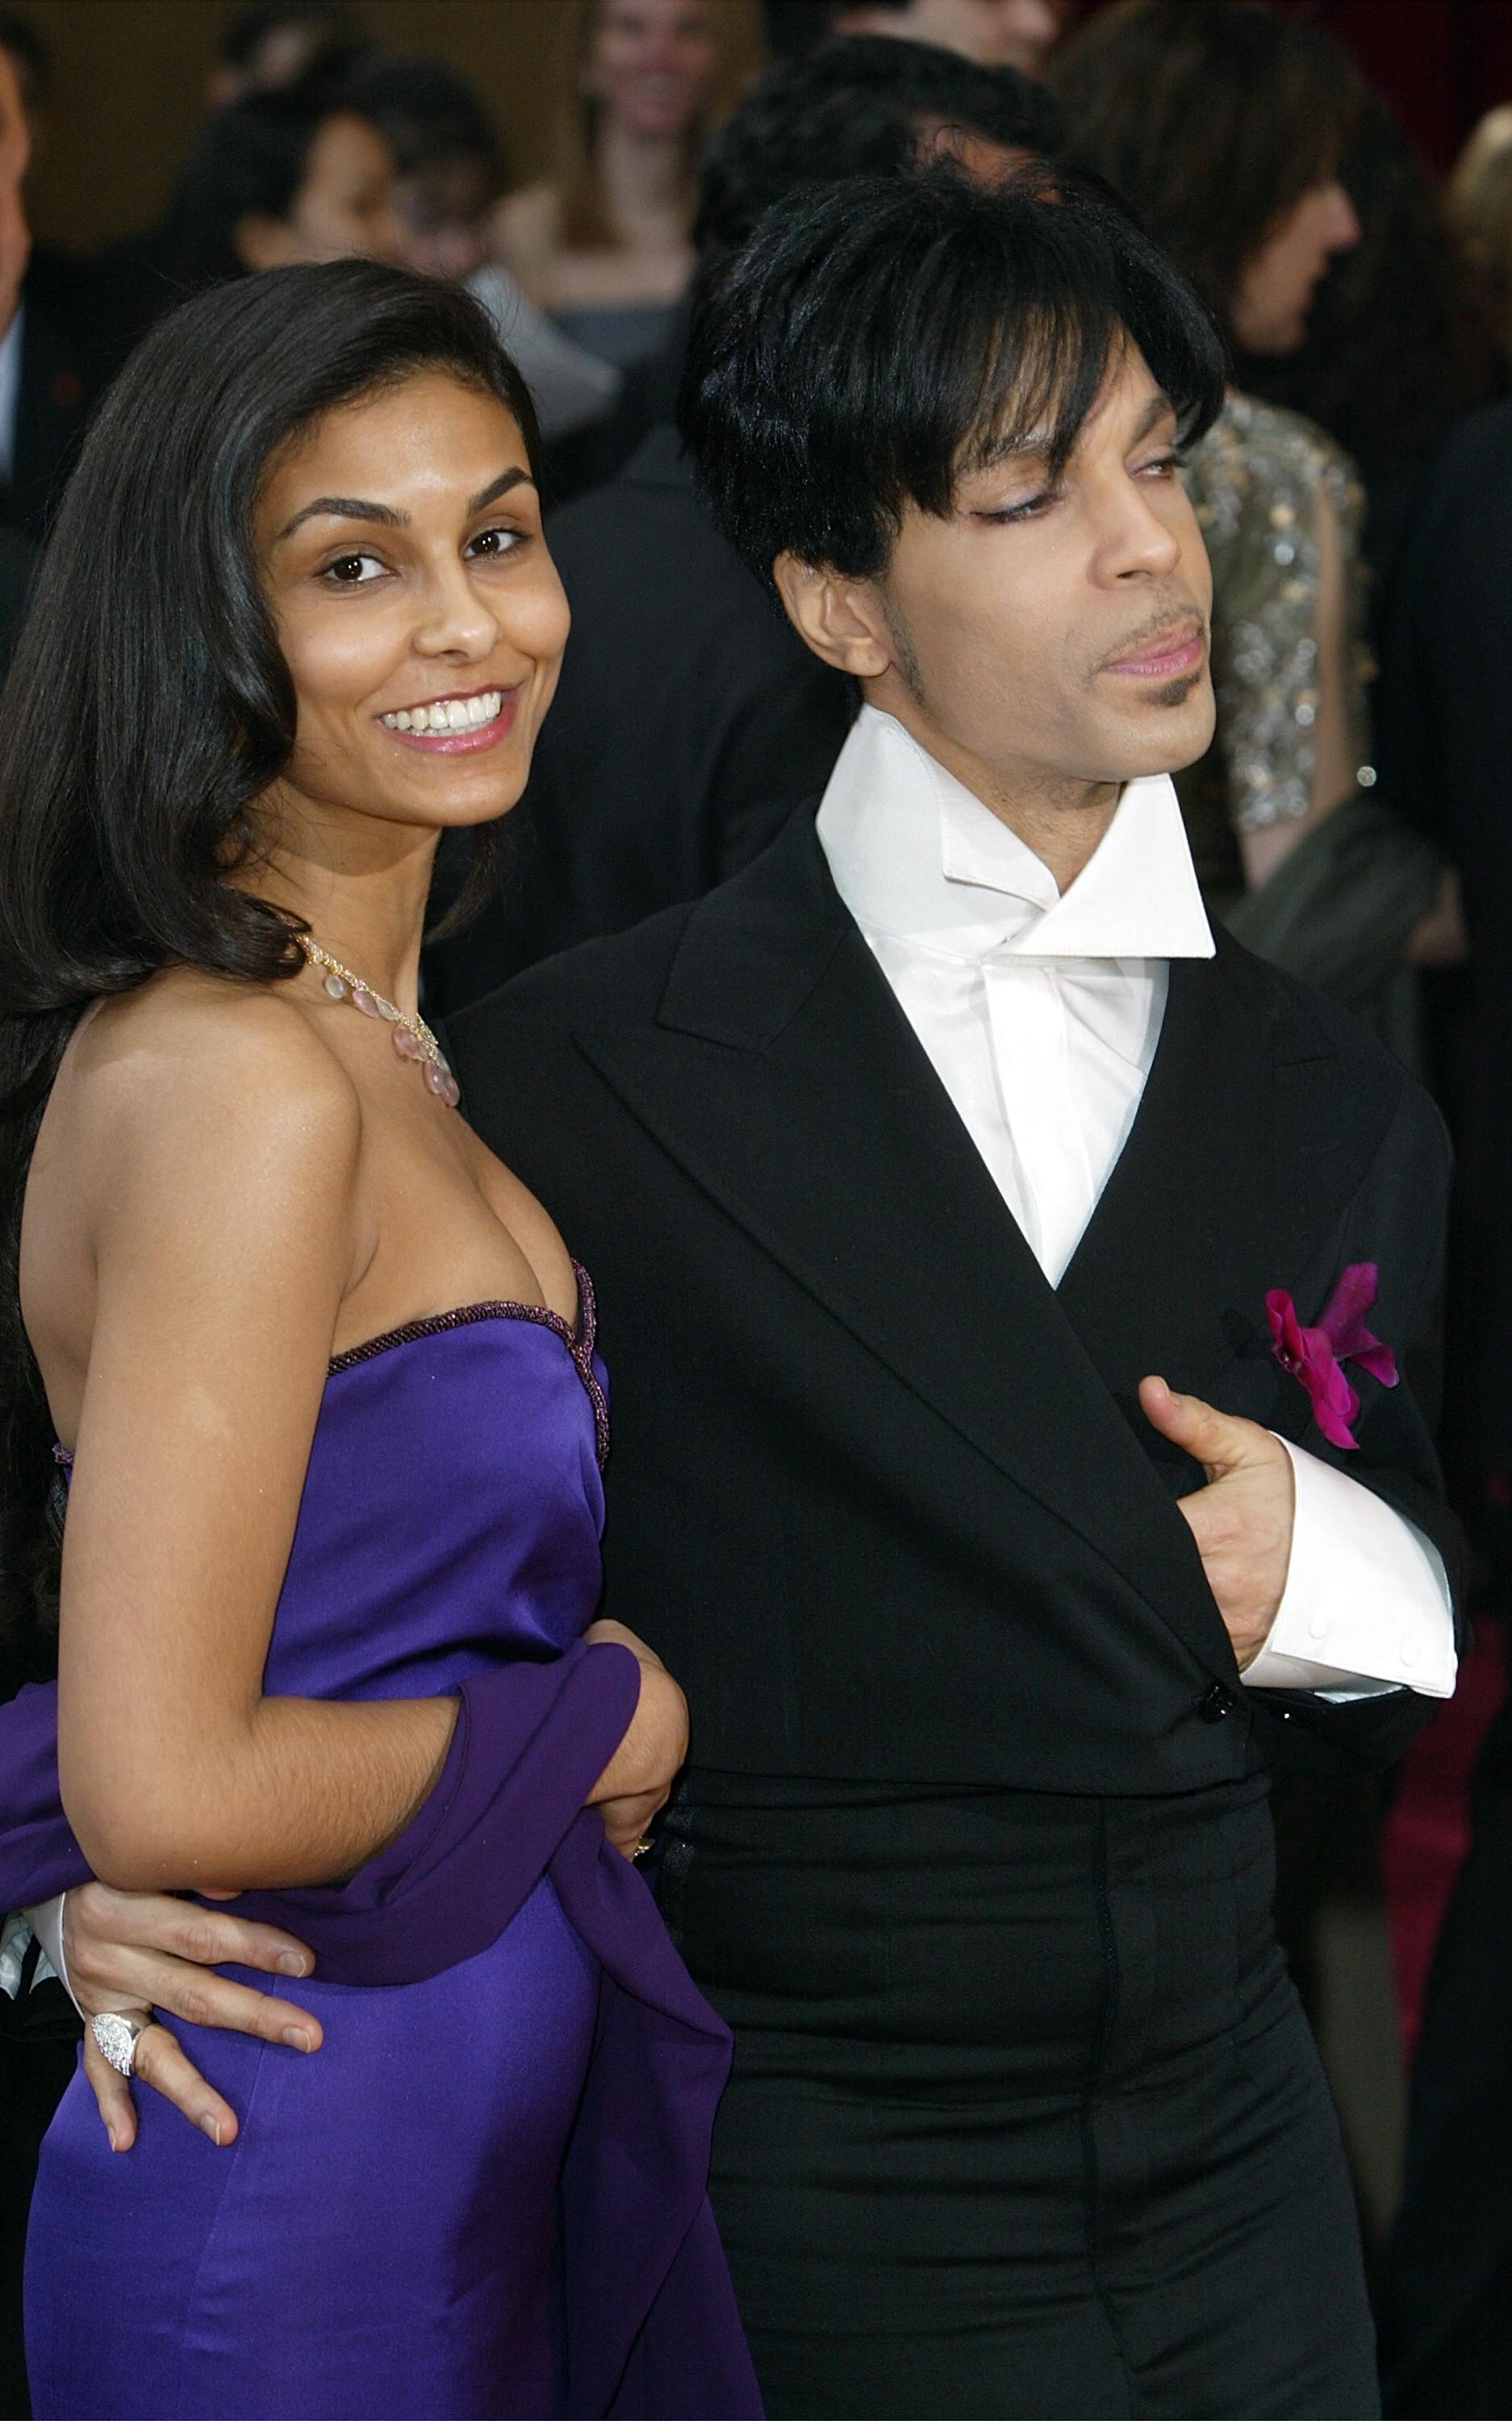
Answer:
[(1366, 1606), (46, 1922)]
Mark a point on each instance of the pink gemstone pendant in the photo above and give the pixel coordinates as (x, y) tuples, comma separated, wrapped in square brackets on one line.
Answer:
[(362, 999), (406, 1045), (443, 1083), (336, 988)]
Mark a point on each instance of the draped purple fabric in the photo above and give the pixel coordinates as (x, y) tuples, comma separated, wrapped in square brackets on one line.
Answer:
[(447, 1541)]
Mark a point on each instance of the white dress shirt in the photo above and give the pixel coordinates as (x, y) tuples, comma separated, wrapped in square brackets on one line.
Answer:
[(1041, 1014)]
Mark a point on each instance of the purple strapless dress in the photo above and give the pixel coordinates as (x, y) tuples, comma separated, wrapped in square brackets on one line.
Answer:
[(451, 2210)]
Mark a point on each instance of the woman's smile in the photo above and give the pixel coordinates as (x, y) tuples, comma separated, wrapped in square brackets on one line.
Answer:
[(464, 721)]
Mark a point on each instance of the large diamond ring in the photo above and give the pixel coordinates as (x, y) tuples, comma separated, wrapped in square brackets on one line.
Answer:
[(117, 2034)]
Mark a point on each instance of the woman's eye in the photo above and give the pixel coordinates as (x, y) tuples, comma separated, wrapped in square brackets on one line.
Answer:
[(352, 570), (495, 543)]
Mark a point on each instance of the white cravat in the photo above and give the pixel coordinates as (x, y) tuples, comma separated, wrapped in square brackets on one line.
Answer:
[(1040, 1014)]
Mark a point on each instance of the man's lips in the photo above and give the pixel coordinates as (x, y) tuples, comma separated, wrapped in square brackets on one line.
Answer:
[(1166, 657)]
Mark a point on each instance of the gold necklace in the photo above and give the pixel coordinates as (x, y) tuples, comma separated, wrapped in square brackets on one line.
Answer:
[(413, 1038)]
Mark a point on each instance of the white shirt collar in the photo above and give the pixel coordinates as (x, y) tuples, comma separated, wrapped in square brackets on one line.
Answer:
[(916, 854)]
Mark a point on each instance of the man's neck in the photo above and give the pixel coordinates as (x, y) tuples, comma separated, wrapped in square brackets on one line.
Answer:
[(1063, 820)]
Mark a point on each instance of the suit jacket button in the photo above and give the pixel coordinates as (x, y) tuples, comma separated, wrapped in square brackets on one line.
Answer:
[(1215, 1704)]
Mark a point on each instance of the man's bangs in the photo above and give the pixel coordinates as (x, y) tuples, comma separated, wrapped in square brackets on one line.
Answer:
[(1040, 384)]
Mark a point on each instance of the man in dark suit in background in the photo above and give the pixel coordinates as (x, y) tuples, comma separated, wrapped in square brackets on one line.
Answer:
[(52, 362), (904, 1163), (689, 719), (1446, 759)]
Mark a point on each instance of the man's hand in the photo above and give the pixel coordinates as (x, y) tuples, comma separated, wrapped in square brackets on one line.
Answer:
[(144, 1950), (1241, 1521), (637, 1781)]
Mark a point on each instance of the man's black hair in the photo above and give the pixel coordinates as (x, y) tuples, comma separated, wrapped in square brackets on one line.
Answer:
[(881, 336), (30, 55), (794, 26), (855, 108)]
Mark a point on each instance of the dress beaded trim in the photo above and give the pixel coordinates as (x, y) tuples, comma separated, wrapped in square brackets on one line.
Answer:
[(579, 1341)]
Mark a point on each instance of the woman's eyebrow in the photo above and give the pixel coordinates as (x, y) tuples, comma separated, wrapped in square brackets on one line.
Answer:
[(361, 509), (344, 508)]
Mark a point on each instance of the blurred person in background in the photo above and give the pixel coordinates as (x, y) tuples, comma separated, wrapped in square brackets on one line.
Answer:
[(996, 33), (605, 244), (279, 42), (450, 174), (52, 364), (279, 178), (1479, 198), (1227, 130), (1445, 2300), (1395, 352), (735, 723)]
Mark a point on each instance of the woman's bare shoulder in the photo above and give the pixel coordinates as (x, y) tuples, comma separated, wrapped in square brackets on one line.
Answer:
[(192, 1059)]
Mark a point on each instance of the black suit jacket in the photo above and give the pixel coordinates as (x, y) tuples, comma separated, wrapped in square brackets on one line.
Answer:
[(689, 722), (62, 375), (1446, 751), (882, 1497)]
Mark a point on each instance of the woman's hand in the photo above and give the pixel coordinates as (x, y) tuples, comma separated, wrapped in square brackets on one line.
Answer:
[(637, 1781), (143, 1951)]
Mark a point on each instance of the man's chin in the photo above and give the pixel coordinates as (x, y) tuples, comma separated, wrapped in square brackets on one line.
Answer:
[(1167, 734)]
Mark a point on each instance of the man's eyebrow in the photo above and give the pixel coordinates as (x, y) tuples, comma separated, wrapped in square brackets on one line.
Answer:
[(1034, 443), (1030, 444), (363, 509), (1159, 408)]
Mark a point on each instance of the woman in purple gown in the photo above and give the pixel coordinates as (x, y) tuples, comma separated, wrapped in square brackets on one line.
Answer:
[(305, 1384)]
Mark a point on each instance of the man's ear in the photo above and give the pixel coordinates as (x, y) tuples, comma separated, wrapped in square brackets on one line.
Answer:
[(841, 619)]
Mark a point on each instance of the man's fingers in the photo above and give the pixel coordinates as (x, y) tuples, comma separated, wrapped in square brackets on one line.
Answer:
[(204, 1999), (1218, 1441), (162, 2064), (98, 1923), (112, 2094)]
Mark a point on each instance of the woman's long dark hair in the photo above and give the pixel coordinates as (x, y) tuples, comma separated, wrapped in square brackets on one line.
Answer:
[(1211, 122), (123, 814)]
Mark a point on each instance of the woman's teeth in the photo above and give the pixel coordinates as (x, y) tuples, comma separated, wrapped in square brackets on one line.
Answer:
[(448, 714)]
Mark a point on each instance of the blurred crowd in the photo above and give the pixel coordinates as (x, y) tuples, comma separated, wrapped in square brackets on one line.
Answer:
[(1356, 498)]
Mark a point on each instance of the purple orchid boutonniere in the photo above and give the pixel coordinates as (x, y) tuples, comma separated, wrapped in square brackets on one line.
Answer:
[(1316, 1355)]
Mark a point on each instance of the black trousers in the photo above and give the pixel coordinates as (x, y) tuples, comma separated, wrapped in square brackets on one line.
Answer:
[(1025, 2123)]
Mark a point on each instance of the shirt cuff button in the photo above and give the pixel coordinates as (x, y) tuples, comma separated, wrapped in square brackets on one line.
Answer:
[(1318, 1627)]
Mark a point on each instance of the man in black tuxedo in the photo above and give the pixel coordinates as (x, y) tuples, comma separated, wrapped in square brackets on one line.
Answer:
[(992, 1642)]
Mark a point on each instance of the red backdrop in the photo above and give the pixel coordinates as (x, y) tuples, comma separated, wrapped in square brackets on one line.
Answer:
[(1440, 63)]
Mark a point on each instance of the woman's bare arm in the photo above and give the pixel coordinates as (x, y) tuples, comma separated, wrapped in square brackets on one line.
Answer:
[(219, 1146)]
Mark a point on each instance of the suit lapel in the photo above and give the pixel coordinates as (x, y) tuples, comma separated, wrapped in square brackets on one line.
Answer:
[(786, 1080), (1235, 1173)]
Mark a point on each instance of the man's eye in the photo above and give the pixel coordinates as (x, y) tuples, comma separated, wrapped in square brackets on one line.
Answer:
[(352, 570), (1031, 506), (1164, 465)]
